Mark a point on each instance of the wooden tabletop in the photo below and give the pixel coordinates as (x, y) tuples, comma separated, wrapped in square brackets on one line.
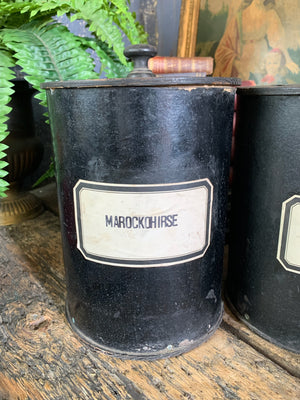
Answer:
[(42, 358)]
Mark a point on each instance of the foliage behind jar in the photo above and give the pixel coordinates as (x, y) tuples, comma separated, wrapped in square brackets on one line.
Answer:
[(47, 51)]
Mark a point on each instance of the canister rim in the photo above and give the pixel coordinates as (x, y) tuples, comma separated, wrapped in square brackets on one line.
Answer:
[(270, 90), (143, 82)]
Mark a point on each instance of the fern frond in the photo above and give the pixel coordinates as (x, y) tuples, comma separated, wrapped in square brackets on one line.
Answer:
[(48, 53), (107, 20), (104, 18), (127, 22), (14, 14), (6, 90), (110, 63), (101, 23), (3, 184), (49, 7), (50, 173)]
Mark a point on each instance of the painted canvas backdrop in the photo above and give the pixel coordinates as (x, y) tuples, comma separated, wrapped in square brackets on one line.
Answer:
[(256, 40)]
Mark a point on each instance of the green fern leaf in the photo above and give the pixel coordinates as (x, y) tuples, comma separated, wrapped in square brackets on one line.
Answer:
[(3, 164), (3, 187), (101, 23), (49, 8), (3, 119), (50, 173), (110, 63), (78, 4), (3, 147), (6, 90), (48, 53), (126, 21), (13, 14), (3, 173)]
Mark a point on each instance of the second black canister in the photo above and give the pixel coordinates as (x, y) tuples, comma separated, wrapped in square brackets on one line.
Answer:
[(263, 285), (142, 173)]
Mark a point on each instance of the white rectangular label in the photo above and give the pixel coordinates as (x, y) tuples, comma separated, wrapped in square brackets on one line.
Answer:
[(292, 252), (288, 253), (143, 225)]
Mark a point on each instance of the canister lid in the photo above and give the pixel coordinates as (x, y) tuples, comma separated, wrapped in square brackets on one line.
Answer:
[(142, 76), (270, 90)]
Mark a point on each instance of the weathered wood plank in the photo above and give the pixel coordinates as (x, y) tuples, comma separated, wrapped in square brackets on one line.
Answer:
[(41, 358), (286, 359)]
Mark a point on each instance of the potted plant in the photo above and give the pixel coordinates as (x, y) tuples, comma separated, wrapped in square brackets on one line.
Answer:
[(47, 51)]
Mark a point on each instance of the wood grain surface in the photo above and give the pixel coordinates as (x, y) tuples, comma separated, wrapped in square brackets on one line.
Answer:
[(41, 357)]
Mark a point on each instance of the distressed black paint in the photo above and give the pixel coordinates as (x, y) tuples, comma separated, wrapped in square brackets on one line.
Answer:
[(143, 131), (267, 156)]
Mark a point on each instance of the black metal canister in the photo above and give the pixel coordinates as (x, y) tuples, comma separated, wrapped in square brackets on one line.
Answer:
[(142, 171), (263, 284)]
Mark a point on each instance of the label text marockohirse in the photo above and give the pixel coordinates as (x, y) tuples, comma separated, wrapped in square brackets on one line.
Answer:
[(139, 222)]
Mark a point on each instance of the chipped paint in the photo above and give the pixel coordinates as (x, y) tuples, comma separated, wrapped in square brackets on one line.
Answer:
[(187, 88)]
